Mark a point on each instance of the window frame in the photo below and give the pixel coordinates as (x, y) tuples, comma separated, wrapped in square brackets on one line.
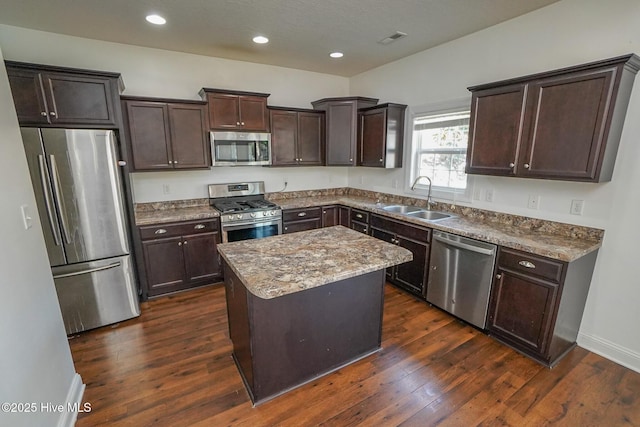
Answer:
[(447, 194)]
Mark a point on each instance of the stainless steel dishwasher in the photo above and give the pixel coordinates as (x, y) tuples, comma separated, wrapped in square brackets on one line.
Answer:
[(460, 276)]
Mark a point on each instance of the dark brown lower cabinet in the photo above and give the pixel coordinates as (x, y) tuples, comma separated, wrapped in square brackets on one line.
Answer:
[(330, 216), (410, 276), (537, 303), (180, 256), (359, 220), (294, 220), (345, 215)]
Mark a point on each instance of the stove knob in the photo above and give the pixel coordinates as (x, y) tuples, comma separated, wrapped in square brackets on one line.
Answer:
[(239, 216), (253, 214), (230, 217), (273, 213)]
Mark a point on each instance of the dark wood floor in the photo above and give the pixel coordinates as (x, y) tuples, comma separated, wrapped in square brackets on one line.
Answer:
[(173, 367)]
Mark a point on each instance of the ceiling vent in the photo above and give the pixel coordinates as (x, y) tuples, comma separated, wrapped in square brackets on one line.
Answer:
[(393, 37)]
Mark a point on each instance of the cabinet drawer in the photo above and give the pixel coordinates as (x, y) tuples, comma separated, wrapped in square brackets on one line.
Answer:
[(360, 216), (413, 232), (531, 265), (305, 224), (302, 213), (360, 226), (156, 231)]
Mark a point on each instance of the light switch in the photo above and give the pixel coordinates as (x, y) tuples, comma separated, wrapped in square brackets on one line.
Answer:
[(26, 217)]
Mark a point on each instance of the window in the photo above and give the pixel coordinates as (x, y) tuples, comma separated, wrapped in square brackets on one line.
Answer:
[(439, 143)]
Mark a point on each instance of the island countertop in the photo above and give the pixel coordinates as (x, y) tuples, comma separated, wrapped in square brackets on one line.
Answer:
[(288, 263)]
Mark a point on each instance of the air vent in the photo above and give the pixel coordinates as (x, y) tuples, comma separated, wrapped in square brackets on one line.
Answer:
[(393, 37)]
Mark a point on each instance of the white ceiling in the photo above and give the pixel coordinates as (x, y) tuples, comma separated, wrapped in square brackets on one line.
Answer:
[(302, 33)]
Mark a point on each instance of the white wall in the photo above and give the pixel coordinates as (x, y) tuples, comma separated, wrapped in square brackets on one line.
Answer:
[(35, 361), (566, 33), (161, 73)]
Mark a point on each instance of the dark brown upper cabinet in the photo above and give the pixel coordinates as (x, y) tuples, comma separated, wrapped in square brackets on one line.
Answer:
[(342, 127), (64, 97), (564, 124), (381, 135), (167, 134), (237, 111), (297, 137)]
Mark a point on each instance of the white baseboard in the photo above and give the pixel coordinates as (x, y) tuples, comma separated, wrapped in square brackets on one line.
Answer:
[(621, 355), (74, 395)]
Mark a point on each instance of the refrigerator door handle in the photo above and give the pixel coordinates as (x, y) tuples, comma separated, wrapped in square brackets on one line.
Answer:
[(58, 195), (46, 189), (90, 270)]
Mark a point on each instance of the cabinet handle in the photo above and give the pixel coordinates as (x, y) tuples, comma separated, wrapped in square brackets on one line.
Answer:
[(237, 123), (52, 113), (185, 242), (358, 215), (351, 160), (380, 160), (199, 226), (364, 230), (299, 160), (526, 165), (512, 165), (527, 264), (175, 162), (43, 113), (302, 214), (242, 123), (160, 231), (179, 243), (498, 276)]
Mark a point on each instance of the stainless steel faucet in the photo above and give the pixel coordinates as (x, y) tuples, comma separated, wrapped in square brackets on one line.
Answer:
[(430, 202)]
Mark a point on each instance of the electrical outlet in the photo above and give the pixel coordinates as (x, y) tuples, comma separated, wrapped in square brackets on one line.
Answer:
[(166, 189), (577, 207), (534, 202), (488, 195)]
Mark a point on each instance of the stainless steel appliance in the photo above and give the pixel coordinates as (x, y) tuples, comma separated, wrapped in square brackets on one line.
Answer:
[(460, 276), (76, 179), (244, 212), (240, 149)]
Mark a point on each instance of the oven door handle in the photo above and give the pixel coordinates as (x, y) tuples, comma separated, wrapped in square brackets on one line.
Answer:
[(241, 225)]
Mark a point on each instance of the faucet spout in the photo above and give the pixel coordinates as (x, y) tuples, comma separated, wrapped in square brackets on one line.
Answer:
[(413, 188)]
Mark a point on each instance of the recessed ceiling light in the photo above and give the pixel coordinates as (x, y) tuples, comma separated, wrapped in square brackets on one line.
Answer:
[(336, 54), (260, 39), (156, 19)]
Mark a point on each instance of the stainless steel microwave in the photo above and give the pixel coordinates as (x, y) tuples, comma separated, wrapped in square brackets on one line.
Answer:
[(240, 149)]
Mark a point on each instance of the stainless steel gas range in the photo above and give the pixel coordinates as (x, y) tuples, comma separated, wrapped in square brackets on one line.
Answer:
[(244, 212)]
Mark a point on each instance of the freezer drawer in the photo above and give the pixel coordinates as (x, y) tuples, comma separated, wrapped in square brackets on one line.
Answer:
[(460, 276), (96, 293)]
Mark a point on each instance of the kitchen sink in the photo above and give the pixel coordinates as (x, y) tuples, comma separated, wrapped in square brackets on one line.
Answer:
[(429, 215), (402, 209)]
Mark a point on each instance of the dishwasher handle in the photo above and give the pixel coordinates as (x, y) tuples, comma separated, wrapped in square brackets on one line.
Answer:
[(464, 246)]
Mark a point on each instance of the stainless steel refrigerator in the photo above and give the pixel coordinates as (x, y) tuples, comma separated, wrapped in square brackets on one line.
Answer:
[(78, 188)]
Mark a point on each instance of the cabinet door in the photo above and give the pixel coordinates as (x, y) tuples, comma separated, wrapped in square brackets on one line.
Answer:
[(495, 130), (284, 130), (520, 310), (567, 117), (253, 114), (79, 100), (372, 138), (330, 216), (28, 96), (341, 134), (201, 257), (189, 143), (164, 263), (412, 275), (149, 135), (345, 216), (310, 139), (224, 111)]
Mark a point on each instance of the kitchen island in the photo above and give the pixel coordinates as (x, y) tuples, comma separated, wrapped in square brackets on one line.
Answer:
[(305, 304)]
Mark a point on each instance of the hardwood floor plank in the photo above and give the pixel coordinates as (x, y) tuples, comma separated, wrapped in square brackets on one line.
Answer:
[(172, 366)]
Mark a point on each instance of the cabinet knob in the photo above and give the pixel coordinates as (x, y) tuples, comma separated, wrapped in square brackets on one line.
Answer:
[(237, 123), (380, 160), (299, 160), (242, 123), (175, 162), (43, 113), (511, 165), (52, 113), (526, 165), (185, 242), (286, 228), (498, 276), (351, 160), (179, 243)]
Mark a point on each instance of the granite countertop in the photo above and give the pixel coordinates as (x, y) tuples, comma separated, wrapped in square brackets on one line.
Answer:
[(546, 243), (288, 263), (160, 216)]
